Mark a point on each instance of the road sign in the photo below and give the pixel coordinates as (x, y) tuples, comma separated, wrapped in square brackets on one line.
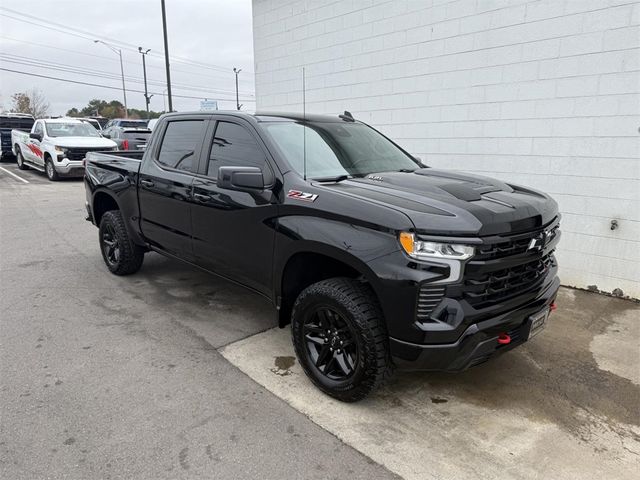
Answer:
[(208, 105)]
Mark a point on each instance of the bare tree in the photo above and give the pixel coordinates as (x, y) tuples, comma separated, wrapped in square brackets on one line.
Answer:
[(32, 102)]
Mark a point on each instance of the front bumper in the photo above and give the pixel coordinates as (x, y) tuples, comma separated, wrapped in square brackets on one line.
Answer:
[(69, 168), (478, 343)]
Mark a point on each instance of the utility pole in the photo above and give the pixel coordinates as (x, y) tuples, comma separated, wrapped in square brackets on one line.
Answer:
[(124, 90), (166, 53), (237, 71), (147, 97)]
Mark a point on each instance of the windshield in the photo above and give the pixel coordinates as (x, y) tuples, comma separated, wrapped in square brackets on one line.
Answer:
[(336, 149), (59, 129)]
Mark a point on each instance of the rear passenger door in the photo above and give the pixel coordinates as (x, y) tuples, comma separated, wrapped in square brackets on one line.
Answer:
[(164, 190), (233, 231)]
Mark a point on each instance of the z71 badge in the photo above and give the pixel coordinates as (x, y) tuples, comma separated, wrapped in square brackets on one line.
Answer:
[(304, 196)]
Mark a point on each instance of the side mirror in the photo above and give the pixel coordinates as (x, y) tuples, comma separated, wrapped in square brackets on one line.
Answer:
[(242, 179), (106, 135), (35, 136)]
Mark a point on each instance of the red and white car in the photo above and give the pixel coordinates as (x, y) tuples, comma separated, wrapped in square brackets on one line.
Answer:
[(58, 146)]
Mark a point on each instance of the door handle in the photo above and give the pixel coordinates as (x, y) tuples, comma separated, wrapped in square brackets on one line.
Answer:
[(147, 183), (201, 198)]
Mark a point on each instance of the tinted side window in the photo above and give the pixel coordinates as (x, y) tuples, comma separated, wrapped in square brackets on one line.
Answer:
[(234, 146), (39, 130), (180, 144)]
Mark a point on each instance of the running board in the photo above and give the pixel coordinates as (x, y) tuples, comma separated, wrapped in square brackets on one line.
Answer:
[(33, 165)]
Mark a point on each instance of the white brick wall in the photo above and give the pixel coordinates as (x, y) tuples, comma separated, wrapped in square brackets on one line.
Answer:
[(544, 93)]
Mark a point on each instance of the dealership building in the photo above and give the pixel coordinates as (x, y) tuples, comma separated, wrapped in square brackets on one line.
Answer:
[(542, 93)]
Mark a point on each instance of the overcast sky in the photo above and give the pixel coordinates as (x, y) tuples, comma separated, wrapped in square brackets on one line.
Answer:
[(214, 34)]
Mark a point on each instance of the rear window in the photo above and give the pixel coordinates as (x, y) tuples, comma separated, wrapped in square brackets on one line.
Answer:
[(134, 134), (16, 122), (132, 124)]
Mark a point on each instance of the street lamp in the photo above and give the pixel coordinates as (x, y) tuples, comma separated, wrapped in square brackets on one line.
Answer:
[(124, 91), (147, 97), (237, 71)]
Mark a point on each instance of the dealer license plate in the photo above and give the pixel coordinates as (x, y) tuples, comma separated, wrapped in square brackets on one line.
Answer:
[(537, 322)]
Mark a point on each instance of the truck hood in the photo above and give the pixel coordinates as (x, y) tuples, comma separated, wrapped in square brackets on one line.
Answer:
[(441, 202), (82, 142)]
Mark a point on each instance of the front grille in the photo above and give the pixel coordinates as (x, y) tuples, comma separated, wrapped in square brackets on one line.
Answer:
[(429, 296), (80, 153), (516, 245), (485, 289)]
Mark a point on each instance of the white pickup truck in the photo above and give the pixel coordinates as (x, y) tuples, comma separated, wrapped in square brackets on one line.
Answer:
[(58, 146)]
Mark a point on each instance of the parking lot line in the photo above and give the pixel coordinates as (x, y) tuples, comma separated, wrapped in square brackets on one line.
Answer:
[(14, 175)]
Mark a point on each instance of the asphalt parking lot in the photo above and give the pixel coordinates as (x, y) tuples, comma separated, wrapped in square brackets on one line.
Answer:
[(173, 373)]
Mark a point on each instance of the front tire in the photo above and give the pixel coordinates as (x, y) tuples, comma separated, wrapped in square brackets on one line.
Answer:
[(20, 160), (340, 338), (52, 175), (120, 254)]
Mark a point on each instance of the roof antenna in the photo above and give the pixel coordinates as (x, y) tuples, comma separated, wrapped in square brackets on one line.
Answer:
[(304, 128)]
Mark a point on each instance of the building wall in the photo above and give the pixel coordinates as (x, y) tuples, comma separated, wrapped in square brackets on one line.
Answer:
[(541, 93)]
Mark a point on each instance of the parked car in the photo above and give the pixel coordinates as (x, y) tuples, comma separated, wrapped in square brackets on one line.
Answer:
[(128, 138), (8, 122), (93, 122), (376, 260), (125, 123), (152, 123), (101, 120), (57, 146)]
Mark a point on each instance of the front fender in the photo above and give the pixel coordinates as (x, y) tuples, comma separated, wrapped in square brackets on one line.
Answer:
[(351, 244)]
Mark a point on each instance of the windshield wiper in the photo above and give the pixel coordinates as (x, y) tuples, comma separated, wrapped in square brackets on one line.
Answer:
[(337, 178)]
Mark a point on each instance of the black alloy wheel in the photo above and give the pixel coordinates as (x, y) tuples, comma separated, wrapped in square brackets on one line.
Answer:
[(331, 344), (111, 245)]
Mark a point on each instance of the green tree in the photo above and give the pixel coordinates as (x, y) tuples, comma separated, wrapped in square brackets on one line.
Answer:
[(112, 109)]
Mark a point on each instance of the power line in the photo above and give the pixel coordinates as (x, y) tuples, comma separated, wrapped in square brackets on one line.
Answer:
[(111, 59), (66, 29), (41, 63), (110, 87)]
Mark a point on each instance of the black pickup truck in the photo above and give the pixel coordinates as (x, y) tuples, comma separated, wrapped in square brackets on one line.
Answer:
[(8, 122), (377, 261)]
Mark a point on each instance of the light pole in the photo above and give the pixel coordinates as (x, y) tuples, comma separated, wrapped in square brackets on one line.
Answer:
[(124, 90), (237, 71), (147, 97), (166, 53)]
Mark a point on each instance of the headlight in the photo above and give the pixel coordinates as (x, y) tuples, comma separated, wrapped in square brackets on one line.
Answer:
[(424, 250), (61, 149)]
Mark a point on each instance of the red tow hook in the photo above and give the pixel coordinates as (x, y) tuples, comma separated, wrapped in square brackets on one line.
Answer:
[(553, 307), (504, 339)]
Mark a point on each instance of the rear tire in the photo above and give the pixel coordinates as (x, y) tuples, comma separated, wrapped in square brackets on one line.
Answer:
[(340, 338), (120, 254), (50, 170), (20, 160)]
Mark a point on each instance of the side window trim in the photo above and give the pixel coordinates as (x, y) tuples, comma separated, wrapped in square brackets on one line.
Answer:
[(210, 138)]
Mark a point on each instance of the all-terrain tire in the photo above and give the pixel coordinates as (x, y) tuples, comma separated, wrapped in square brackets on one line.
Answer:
[(120, 254), (358, 306)]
